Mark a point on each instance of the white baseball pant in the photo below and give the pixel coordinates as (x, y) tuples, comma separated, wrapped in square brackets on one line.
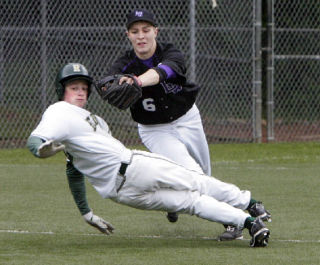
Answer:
[(182, 140), (152, 182)]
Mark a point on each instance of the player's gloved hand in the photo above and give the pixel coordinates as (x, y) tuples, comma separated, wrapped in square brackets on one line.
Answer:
[(122, 94), (97, 222), (49, 148)]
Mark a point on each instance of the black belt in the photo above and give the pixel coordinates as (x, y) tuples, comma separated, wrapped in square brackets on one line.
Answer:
[(122, 172), (123, 168)]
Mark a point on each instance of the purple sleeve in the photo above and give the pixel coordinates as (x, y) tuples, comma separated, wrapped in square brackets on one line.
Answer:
[(170, 73)]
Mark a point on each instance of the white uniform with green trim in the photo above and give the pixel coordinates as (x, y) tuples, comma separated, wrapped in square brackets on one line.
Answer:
[(87, 138), (152, 182)]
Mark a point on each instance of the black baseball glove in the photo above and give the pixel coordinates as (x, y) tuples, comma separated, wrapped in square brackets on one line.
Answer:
[(121, 96)]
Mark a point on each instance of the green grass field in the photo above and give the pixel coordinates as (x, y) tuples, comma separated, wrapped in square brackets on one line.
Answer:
[(40, 224)]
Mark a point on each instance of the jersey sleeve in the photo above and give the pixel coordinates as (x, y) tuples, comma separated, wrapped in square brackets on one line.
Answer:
[(53, 126), (173, 58), (77, 187), (33, 144), (119, 66)]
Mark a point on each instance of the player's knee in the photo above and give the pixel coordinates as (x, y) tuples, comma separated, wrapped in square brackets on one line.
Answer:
[(194, 206)]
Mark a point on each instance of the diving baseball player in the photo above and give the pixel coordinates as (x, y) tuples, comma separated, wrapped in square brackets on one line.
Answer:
[(169, 122), (135, 178)]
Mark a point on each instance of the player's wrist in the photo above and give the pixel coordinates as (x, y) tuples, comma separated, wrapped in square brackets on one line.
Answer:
[(138, 80), (88, 216)]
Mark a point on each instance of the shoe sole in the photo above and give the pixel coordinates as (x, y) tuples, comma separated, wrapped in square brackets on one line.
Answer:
[(261, 238)]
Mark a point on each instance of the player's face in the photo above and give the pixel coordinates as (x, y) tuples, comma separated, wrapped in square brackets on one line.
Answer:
[(76, 93), (142, 36)]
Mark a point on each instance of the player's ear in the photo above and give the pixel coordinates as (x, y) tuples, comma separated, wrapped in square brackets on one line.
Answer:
[(156, 31)]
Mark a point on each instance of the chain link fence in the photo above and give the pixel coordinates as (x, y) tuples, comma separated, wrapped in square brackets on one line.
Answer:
[(294, 112), (222, 48)]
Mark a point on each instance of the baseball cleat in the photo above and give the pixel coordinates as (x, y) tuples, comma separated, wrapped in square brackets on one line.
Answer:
[(172, 217), (259, 234), (231, 233), (258, 210)]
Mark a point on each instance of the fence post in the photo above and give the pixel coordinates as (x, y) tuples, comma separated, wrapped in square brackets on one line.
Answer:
[(257, 95), (44, 71), (1, 66), (192, 41), (270, 71)]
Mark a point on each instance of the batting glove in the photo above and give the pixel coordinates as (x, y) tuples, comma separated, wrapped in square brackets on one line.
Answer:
[(97, 222), (49, 148)]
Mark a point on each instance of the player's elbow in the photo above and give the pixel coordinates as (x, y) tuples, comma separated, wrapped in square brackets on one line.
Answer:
[(33, 144)]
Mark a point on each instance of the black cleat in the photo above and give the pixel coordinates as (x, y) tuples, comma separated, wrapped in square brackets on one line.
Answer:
[(231, 233), (259, 234), (258, 210), (172, 217)]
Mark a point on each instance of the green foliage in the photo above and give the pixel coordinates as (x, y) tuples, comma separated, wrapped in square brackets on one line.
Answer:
[(34, 198)]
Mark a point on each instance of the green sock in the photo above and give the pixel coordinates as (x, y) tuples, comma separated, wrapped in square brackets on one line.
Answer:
[(252, 202), (248, 222)]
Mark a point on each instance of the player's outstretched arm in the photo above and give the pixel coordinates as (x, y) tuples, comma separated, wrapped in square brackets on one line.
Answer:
[(33, 144), (78, 189), (43, 149), (149, 78)]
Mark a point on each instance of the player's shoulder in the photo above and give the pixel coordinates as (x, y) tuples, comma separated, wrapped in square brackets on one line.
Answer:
[(167, 48), (54, 107), (53, 112), (61, 108), (120, 63), (58, 105), (127, 55)]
